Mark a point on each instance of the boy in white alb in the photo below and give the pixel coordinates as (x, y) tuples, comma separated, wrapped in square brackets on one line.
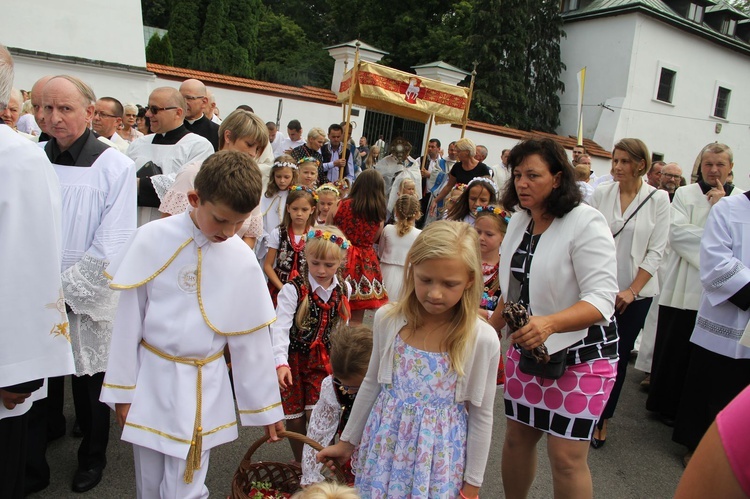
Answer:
[(189, 289)]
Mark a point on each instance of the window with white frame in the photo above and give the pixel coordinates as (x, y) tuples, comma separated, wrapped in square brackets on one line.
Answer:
[(568, 5), (666, 84), (695, 12), (721, 103)]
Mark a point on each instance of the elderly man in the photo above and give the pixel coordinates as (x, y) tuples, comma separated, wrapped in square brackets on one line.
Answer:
[(670, 178), (108, 113), (35, 338), (36, 104), (211, 111), (316, 137), (681, 290), (99, 196), (169, 148), (12, 110), (333, 161), (196, 99)]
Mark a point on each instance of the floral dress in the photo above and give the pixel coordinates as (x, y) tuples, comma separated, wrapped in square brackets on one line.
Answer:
[(362, 270), (414, 443)]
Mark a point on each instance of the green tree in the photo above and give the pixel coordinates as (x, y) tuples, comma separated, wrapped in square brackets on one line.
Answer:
[(184, 30), (219, 51), (156, 13), (159, 50), (245, 16)]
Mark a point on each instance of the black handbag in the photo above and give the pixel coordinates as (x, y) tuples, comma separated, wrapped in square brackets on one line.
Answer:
[(149, 169)]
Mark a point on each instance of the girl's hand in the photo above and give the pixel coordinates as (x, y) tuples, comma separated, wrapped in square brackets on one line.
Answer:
[(534, 333), (272, 431), (121, 413), (341, 451), (623, 299), (285, 377)]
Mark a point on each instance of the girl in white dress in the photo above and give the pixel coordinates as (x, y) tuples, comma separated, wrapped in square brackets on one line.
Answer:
[(395, 242), (283, 174)]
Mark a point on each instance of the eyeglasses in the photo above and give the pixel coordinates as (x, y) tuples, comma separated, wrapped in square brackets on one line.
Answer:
[(131, 115), (346, 389), (104, 115), (155, 110), (193, 97), (670, 175)]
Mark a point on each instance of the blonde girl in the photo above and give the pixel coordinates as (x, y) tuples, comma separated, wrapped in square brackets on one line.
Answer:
[(308, 171), (430, 385), (479, 192), (395, 242), (272, 204), (287, 241), (372, 158), (351, 347), (405, 186), (327, 490), (310, 306), (328, 197), (491, 225)]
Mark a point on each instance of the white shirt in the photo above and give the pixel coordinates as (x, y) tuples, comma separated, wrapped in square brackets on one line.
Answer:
[(277, 144), (272, 210), (286, 309), (288, 143)]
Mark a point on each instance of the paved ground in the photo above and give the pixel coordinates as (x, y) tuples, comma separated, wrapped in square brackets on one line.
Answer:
[(638, 461)]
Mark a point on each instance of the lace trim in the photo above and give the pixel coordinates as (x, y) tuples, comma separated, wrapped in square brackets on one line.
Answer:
[(719, 329), (722, 279), (90, 341), (162, 184), (87, 291)]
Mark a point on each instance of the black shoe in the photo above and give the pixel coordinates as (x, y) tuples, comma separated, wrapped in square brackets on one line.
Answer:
[(87, 479), (597, 443), (76, 431)]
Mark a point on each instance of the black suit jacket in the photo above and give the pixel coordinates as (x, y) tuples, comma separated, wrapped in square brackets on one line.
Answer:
[(205, 128)]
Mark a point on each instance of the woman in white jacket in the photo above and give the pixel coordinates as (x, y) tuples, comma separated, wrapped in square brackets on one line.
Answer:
[(638, 216)]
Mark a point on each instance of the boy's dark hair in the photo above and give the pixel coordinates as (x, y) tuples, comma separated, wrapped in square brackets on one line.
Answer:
[(351, 347), (563, 198), (232, 178), (337, 127), (294, 125)]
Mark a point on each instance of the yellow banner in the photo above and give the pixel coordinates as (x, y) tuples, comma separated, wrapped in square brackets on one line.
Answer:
[(391, 91)]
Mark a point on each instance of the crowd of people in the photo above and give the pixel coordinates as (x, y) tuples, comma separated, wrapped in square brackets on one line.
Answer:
[(186, 268)]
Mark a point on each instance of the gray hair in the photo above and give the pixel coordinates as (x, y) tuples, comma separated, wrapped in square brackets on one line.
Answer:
[(89, 98), (6, 76)]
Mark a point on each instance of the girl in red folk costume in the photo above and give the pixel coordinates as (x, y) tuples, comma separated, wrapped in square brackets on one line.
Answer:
[(360, 217), (286, 243), (491, 224), (310, 306)]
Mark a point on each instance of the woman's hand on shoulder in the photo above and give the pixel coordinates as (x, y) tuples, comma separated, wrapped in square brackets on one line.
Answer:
[(533, 334)]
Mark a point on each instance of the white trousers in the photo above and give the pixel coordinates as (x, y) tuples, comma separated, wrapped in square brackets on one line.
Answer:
[(158, 476)]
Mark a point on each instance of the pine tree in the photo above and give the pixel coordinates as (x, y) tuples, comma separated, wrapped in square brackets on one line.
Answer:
[(184, 30), (545, 67), (159, 50), (245, 16)]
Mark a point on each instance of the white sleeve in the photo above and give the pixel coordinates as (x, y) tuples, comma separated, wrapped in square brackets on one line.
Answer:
[(286, 309), (323, 424), (722, 273), (684, 236), (122, 369), (657, 242), (273, 238)]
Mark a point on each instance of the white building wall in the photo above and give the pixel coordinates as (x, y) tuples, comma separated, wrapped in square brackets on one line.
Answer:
[(624, 75), (91, 29)]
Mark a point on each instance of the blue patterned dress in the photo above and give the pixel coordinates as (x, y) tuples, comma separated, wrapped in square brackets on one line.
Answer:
[(414, 443)]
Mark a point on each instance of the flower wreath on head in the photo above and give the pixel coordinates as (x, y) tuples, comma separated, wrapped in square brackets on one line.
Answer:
[(328, 188), (306, 189), (308, 159), (339, 241), (495, 210), (484, 180), (458, 187), (285, 164)]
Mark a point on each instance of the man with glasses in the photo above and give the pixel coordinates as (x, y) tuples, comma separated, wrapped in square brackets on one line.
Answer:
[(108, 113), (670, 178), (196, 99), (169, 148), (98, 216)]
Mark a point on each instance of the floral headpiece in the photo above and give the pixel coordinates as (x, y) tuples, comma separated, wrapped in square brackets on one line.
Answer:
[(328, 188), (285, 164), (484, 180), (308, 159), (306, 189), (459, 187), (495, 210), (339, 241)]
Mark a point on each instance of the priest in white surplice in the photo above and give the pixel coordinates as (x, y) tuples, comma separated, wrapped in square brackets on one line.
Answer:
[(170, 147), (189, 287), (35, 338), (99, 215)]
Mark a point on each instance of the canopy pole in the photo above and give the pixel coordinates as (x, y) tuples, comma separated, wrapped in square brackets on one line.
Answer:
[(347, 131), (468, 104), (427, 142), (343, 104)]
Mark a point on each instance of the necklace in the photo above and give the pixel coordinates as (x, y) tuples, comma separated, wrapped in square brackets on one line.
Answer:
[(428, 333), (296, 246), (489, 269)]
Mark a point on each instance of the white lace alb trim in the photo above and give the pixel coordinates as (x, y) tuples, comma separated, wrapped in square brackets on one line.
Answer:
[(87, 291)]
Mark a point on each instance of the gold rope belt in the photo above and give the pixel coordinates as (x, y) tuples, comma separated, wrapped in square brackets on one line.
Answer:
[(196, 445)]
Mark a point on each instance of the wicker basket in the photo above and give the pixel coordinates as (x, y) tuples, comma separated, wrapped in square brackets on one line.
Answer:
[(283, 477)]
